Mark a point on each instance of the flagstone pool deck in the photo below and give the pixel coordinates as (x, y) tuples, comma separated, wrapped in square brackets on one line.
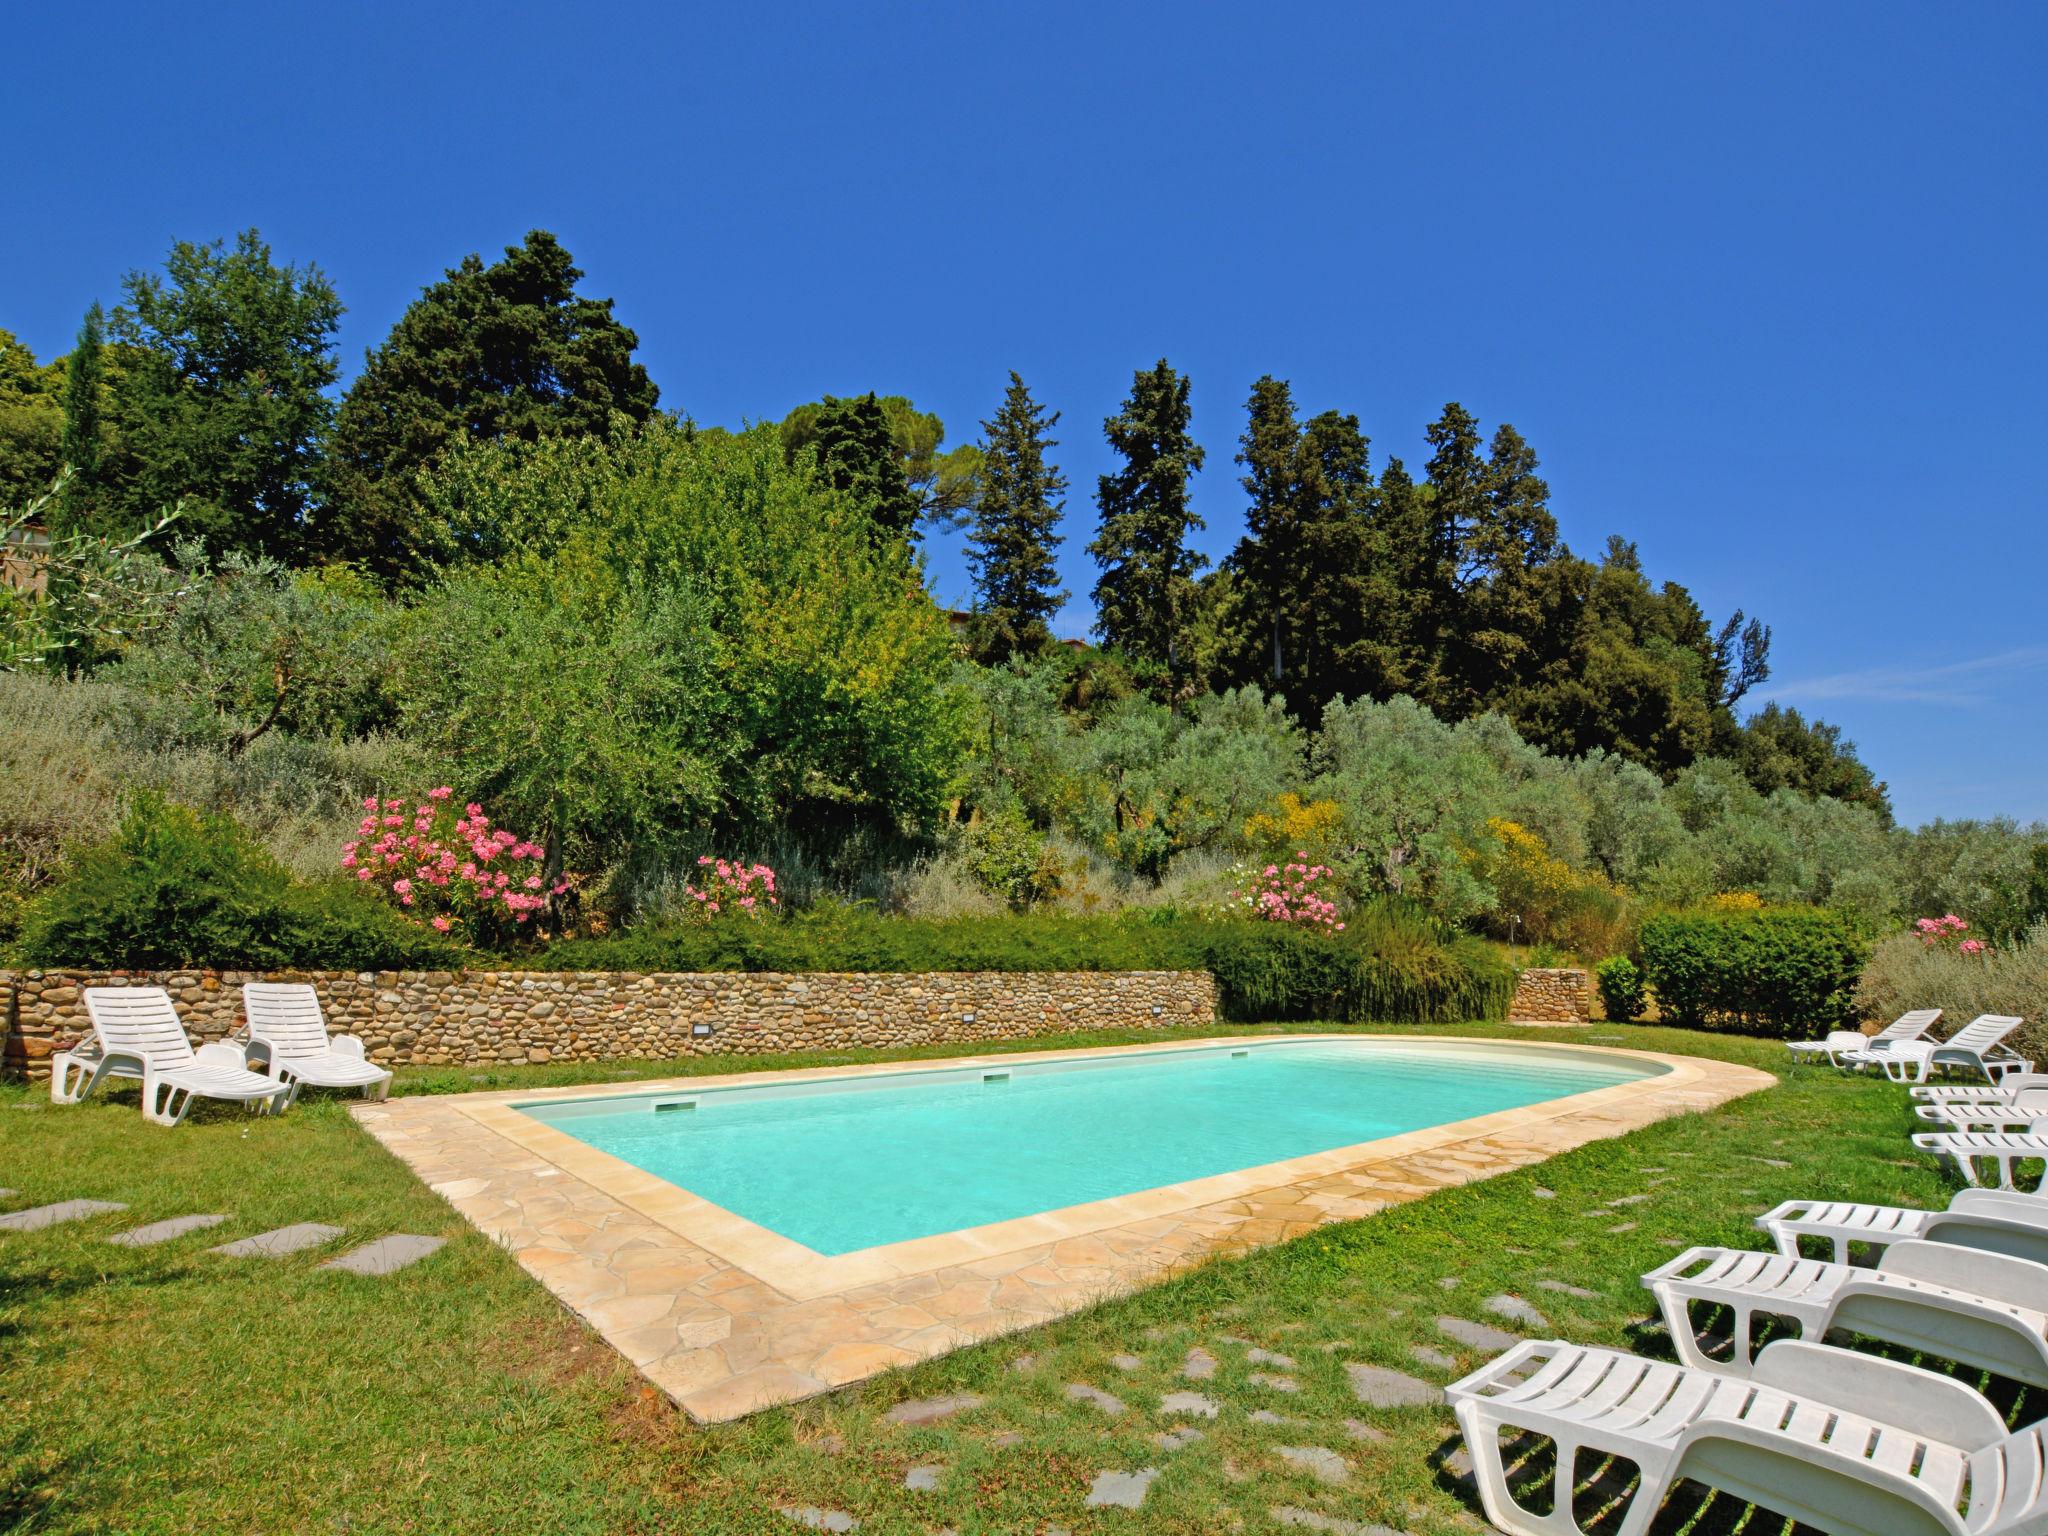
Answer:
[(728, 1318)]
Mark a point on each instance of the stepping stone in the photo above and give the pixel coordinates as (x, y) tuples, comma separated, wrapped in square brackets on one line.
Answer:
[(1378, 1387), (1449, 1283), (1358, 1429), (1081, 1392), (1628, 1200), (1324, 1465), (1188, 1402), (1127, 1363), (1200, 1365), (1329, 1525), (832, 1443), (1266, 1416), (1771, 1162), (1177, 1439), (272, 1245), (820, 1519), (1479, 1336), (164, 1231), (1023, 1363), (1568, 1290), (1516, 1310), (1273, 1383), (36, 1217), (1650, 1168), (1004, 1439), (1267, 1357), (386, 1254), (922, 1479), (1543, 1194), (1626, 1226), (1435, 1357), (929, 1410), (1120, 1490), (6, 1194)]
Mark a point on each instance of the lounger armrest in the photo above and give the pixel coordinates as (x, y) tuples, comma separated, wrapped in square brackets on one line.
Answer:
[(218, 1053), (1920, 1402), (345, 1045)]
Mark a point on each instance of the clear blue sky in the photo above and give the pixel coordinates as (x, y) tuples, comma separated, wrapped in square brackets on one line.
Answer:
[(1762, 283)]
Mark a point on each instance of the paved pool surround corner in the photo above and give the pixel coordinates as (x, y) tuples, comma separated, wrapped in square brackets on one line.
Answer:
[(728, 1317)]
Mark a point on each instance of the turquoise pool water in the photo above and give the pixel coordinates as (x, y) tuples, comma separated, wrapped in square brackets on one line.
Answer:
[(844, 1165)]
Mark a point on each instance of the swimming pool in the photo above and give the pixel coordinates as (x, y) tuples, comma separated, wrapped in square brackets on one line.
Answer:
[(842, 1165)]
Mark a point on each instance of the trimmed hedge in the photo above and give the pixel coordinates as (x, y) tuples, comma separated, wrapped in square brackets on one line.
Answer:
[(1391, 964), (1621, 988), (176, 888), (1782, 971)]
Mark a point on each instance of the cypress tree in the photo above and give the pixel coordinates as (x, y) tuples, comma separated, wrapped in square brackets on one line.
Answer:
[(1268, 559), (84, 372), (857, 454), (1010, 547), (1144, 597)]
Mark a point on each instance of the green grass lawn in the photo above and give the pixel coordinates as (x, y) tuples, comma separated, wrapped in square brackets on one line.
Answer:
[(165, 1389)]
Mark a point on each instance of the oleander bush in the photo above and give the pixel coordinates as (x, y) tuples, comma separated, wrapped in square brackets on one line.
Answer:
[(178, 887), (1777, 971)]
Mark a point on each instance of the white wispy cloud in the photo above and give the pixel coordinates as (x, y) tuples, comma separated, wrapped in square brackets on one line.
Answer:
[(1956, 683)]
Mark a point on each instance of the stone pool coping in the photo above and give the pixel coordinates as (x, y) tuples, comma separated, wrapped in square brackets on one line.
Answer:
[(728, 1317)]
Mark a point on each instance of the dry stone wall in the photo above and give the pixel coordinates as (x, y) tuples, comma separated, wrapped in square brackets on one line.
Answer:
[(1551, 997), (475, 1017)]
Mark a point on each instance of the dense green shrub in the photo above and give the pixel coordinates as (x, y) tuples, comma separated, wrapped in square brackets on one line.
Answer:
[(1621, 988), (1391, 963), (175, 887), (1776, 971)]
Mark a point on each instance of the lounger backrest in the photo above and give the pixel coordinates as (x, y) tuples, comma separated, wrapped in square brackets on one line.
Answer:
[(2011, 1478), (1909, 1026), (138, 1021), (1982, 1032), (286, 1017)]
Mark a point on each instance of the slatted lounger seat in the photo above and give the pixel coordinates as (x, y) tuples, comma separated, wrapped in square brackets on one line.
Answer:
[(2002, 1221), (288, 1036), (1852, 1444), (1969, 1148), (1963, 1304), (2005, 1089), (136, 1033)]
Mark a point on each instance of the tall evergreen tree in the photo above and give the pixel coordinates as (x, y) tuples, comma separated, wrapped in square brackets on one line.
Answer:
[(1010, 548), (1268, 559), (84, 377), (504, 352), (944, 483), (1144, 596), (858, 455)]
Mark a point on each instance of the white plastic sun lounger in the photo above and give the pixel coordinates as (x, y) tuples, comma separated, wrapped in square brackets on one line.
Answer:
[(2001, 1221), (1917, 1455), (1978, 1045), (136, 1033), (1963, 1304), (1848, 1042), (2002, 1149), (2007, 1087), (288, 1037), (2022, 1112)]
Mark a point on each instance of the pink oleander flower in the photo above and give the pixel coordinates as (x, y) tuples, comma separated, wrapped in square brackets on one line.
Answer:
[(442, 923)]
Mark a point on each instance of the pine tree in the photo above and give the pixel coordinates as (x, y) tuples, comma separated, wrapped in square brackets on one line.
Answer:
[(1144, 596), (84, 372), (1010, 548)]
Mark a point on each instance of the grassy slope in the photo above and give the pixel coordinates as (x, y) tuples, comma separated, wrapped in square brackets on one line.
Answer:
[(164, 1390)]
